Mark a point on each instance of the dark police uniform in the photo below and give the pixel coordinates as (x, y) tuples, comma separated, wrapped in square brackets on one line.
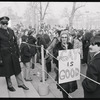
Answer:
[(9, 55)]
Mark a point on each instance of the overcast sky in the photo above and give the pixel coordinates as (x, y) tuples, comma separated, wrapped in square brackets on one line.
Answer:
[(56, 7)]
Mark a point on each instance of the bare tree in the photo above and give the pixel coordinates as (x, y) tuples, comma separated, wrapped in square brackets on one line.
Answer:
[(73, 14), (74, 9), (30, 14), (65, 13), (36, 14), (43, 13), (47, 5)]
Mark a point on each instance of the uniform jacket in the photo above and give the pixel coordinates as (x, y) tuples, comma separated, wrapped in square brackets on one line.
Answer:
[(69, 86), (92, 89), (9, 53)]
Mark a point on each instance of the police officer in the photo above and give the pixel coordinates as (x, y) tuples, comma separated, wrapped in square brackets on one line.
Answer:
[(9, 55)]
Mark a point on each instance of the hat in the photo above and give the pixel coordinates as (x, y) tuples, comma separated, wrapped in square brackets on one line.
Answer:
[(4, 19), (95, 39)]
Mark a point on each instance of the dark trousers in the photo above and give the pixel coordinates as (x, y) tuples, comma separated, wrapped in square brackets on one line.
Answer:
[(48, 66), (18, 79), (65, 95)]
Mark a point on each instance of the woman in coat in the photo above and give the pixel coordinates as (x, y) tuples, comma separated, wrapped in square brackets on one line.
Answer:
[(69, 87), (90, 87), (52, 44)]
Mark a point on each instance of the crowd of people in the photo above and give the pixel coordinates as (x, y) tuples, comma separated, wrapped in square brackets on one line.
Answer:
[(23, 45)]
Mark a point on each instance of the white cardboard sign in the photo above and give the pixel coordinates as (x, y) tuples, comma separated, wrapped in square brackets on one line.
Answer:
[(69, 65)]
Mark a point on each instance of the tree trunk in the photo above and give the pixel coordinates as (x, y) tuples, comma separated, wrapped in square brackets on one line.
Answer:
[(72, 17), (41, 16)]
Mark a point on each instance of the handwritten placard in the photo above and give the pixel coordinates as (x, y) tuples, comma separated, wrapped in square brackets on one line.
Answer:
[(69, 65)]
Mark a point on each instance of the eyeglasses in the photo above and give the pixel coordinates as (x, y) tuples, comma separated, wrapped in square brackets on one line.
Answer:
[(63, 37), (4, 23), (96, 43), (92, 44)]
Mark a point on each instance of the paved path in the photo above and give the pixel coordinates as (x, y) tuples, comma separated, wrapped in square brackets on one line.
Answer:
[(33, 91), (53, 91)]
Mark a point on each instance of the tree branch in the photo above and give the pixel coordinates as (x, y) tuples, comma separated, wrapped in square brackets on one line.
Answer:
[(45, 10), (79, 7), (40, 11)]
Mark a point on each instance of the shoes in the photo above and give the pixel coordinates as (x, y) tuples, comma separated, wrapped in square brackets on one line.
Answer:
[(42, 81), (27, 79), (24, 87), (11, 89)]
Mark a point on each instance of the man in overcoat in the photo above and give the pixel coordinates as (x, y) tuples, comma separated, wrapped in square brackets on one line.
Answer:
[(91, 84), (9, 55)]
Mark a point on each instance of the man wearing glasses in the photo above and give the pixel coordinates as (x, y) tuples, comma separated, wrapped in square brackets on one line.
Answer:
[(9, 55), (91, 84)]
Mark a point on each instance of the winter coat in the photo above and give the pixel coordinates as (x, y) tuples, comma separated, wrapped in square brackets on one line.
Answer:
[(92, 89), (25, 53), (32, 44), (50, 48), (9, 53), (69, 87)]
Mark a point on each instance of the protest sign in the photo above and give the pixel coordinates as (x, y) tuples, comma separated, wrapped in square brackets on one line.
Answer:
[(69, 65)]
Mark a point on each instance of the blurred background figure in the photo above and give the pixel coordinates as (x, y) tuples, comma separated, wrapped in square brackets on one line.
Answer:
[(26, 57)]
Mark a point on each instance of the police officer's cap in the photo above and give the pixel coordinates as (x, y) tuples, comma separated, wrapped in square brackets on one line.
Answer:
[(4, 19)]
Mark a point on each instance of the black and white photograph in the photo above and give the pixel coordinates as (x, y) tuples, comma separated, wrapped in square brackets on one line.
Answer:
[(49, 49)]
